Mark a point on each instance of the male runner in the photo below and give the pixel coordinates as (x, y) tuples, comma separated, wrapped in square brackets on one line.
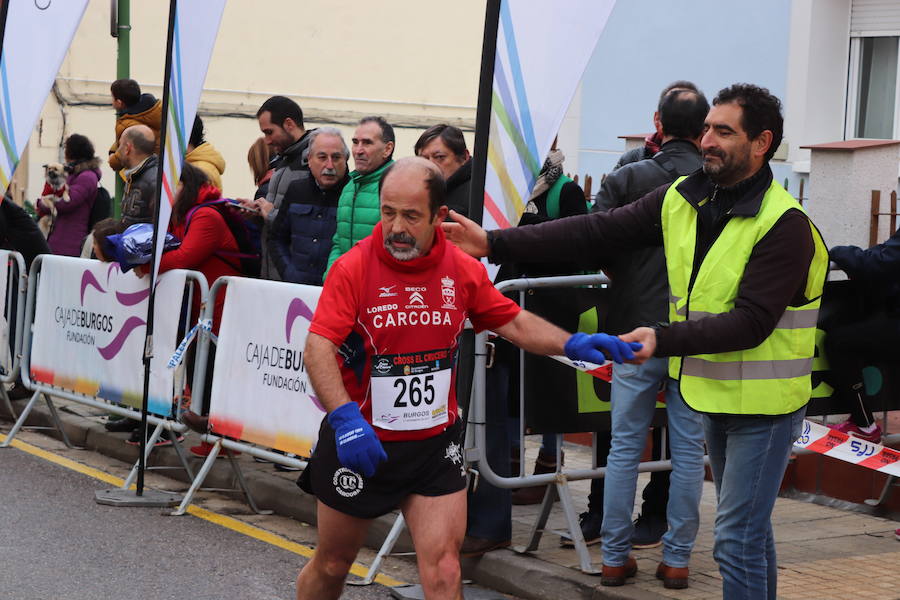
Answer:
[(391, 437)]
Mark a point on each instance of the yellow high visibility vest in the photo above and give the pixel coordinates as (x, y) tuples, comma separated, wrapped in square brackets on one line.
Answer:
[(774, 377)]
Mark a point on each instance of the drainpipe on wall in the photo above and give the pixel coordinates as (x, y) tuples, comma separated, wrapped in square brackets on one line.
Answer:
[(120, 28)]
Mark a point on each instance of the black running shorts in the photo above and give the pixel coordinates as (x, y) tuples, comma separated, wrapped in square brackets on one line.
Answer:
[(430, 467)]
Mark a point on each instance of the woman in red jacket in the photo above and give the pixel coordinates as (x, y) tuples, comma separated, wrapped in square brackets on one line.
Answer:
[(207, 246)]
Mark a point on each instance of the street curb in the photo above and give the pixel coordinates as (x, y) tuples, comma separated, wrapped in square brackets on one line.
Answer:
[(503, 570), (269, 490)]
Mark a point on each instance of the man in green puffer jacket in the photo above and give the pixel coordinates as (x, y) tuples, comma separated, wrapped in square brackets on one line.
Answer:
[(358, 212)]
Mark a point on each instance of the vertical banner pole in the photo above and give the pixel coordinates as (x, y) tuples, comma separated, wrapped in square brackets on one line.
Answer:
[(123, 71), (191, 36), (148, 343), (4, 9), (483, 112)]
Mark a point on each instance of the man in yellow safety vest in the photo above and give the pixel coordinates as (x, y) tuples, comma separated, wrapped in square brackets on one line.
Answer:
[(746, 268)]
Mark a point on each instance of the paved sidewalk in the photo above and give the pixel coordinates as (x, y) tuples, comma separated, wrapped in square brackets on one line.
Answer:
[(824, 553)]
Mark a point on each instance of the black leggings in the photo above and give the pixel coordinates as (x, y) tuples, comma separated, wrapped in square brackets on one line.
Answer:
[(850, 348), (207, 388)]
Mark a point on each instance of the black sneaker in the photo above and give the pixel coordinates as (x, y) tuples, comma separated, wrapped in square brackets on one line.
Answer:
[(648, 531), (590, 528), (121, 425), (165, 439), (19, 392)]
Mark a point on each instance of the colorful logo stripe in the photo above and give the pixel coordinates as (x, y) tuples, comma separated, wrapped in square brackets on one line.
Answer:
[(176, 145), (7, 130), (511, 119)]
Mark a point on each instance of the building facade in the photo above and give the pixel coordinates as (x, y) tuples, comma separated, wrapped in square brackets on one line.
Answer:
[(834, 64)]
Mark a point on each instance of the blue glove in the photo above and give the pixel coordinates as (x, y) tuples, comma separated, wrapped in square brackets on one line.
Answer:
[(590, 348), (358, 447)]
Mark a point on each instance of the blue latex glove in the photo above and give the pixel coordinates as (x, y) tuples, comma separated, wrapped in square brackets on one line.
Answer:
[(590, 348), (358, 448)]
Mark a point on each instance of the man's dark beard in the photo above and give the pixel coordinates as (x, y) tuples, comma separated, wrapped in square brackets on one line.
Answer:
[(730, 169)]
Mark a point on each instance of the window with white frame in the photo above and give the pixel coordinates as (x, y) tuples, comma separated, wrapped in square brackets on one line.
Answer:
[(873, 87), (873, 110)]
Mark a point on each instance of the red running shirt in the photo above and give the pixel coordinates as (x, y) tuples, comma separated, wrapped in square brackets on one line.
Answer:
[(405, 317)]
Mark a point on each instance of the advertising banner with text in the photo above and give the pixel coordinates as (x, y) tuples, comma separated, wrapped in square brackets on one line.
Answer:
[(261, 391), (89, 327)]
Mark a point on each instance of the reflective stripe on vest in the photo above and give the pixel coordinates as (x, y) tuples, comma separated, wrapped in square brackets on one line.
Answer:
[(771, 378), (791, 319), (749, 369)]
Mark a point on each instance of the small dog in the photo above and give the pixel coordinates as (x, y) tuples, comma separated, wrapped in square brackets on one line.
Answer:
[(55, 190)]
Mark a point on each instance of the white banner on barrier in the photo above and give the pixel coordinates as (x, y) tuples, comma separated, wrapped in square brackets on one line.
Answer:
[(261, 391), (89, 331)]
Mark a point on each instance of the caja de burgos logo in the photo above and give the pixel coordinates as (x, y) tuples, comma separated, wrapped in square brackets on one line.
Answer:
[(81, 324), (281, 365)]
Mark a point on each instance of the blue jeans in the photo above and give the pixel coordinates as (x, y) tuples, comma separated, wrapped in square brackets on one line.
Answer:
[(748, 456), (633, 398)]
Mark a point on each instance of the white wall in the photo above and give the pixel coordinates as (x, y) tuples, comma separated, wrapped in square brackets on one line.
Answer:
[(416, 63), (817, 76)]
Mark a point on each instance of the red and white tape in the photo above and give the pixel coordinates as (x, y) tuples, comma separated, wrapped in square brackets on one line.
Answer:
[(815, 437), (603, 371), (839, 445)]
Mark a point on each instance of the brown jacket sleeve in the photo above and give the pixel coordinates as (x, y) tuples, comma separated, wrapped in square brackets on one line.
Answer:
[(586, 239)]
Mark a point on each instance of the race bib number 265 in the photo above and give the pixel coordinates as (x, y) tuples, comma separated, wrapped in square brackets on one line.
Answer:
[(411, 391)]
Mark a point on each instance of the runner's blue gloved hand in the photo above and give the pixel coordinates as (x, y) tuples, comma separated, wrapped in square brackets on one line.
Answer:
[(358, 448), (582, 346)]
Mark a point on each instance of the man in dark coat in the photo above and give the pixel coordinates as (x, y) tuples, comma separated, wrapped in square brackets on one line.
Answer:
[(300, 237), (281, 123)]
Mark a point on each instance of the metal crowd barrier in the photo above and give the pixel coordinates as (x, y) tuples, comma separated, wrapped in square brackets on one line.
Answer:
[(14, 295), (221, 443), (475, 446), (558, 482), (45, 391)]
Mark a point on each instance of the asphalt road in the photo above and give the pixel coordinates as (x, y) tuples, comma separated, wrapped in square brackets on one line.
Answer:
[(56, 542)]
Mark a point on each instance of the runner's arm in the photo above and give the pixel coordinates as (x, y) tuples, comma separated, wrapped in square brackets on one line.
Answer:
[(534, 334), (324, 373)]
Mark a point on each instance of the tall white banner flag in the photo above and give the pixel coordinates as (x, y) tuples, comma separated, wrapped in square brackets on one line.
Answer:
[(37, 36), (540, 59), (191, 45)]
